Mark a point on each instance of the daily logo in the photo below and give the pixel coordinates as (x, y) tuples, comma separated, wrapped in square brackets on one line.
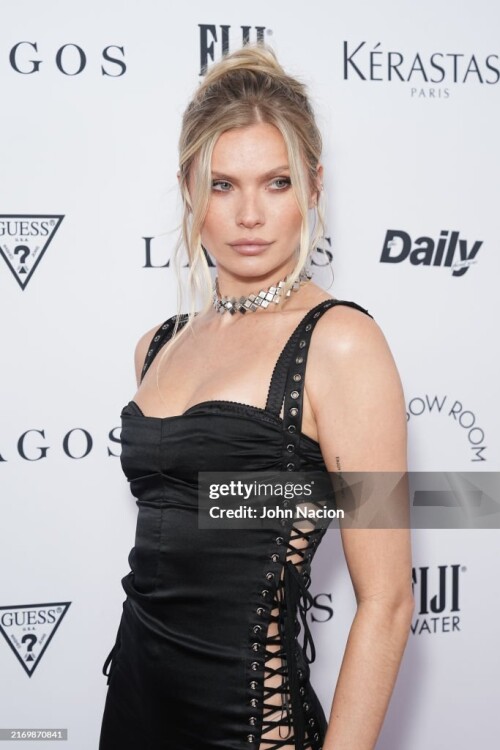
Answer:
[(449, 250), (29, 628), (24, 238)]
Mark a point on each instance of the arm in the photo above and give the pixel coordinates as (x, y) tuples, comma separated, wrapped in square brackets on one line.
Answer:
[(358, 401)]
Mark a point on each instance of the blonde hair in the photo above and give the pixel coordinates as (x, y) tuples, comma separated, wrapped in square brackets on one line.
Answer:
[(245, 87)]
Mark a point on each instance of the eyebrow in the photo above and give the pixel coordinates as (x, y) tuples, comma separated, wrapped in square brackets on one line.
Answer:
[(224, 176)]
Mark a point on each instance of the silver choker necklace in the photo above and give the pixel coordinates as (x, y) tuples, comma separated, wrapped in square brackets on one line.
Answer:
[(252, 302)]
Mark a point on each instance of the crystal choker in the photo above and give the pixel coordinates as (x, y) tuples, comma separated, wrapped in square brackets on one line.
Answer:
[(252, 302)]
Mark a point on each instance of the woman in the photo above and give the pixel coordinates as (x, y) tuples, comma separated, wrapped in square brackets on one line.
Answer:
[(207, 654)]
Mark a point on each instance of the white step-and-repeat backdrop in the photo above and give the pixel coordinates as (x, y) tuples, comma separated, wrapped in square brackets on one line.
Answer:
[(92, 93)]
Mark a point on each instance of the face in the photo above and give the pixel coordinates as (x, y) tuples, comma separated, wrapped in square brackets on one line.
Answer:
[(252, 227)]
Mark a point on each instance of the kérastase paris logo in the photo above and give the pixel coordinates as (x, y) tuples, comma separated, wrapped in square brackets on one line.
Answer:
[(24, 238)]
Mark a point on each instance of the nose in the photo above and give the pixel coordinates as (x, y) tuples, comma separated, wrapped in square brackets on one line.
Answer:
[(249, 210)]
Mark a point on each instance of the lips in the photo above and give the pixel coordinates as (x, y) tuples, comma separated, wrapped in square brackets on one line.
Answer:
[(250, 247)]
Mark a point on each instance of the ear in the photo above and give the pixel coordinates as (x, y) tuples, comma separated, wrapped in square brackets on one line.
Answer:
[(319, 186), (179, 180), (319, 173)]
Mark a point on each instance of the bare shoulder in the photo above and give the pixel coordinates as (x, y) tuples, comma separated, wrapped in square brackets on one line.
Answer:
[(141, 350), (347, 332), (353, 383), (350, 348)]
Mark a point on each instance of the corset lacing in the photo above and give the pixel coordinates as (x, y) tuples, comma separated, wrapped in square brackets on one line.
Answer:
[(292, 594), (292, 597)]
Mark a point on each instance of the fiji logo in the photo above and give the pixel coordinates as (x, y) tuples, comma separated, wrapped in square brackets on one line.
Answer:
[(29, 628), (24, 238), (436, 594), (216, 41)]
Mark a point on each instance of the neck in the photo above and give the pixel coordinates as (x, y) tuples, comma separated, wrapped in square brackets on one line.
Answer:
[(259, 298), (236, 286)]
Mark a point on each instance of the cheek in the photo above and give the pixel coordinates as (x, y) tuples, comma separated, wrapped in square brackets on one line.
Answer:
[(290, 218), (212, 222), (216, 213)]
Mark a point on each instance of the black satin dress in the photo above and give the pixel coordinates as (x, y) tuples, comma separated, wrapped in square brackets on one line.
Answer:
[(207, 654)]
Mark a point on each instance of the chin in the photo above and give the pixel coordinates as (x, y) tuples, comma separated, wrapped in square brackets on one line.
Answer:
[(257, 267)]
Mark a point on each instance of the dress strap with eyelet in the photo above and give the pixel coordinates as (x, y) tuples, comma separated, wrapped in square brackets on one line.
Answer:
[(287, 387), (160, 338)]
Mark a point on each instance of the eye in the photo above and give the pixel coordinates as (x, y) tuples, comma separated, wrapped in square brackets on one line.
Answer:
[(216, 183), (286, 180)]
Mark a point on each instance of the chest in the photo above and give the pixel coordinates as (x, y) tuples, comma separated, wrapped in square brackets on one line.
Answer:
[(236, 363)]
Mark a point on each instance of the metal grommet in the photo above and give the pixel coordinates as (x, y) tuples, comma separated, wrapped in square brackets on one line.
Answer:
[(291, 428), (257, 628), (264, 593), (269, 575), (316, 315), (290, 467), (299, 359), (294, 394), (302, 343), (254, 702), (156, 338), (311, 722), (297, 377), (150, 352), (294, 411), (275, 557), (279, 540), (251, 737), (302, 690), (260, 611), (252, 720), (290, 447), (253, 685), (255, 646), (308, 327), (254, 665)]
